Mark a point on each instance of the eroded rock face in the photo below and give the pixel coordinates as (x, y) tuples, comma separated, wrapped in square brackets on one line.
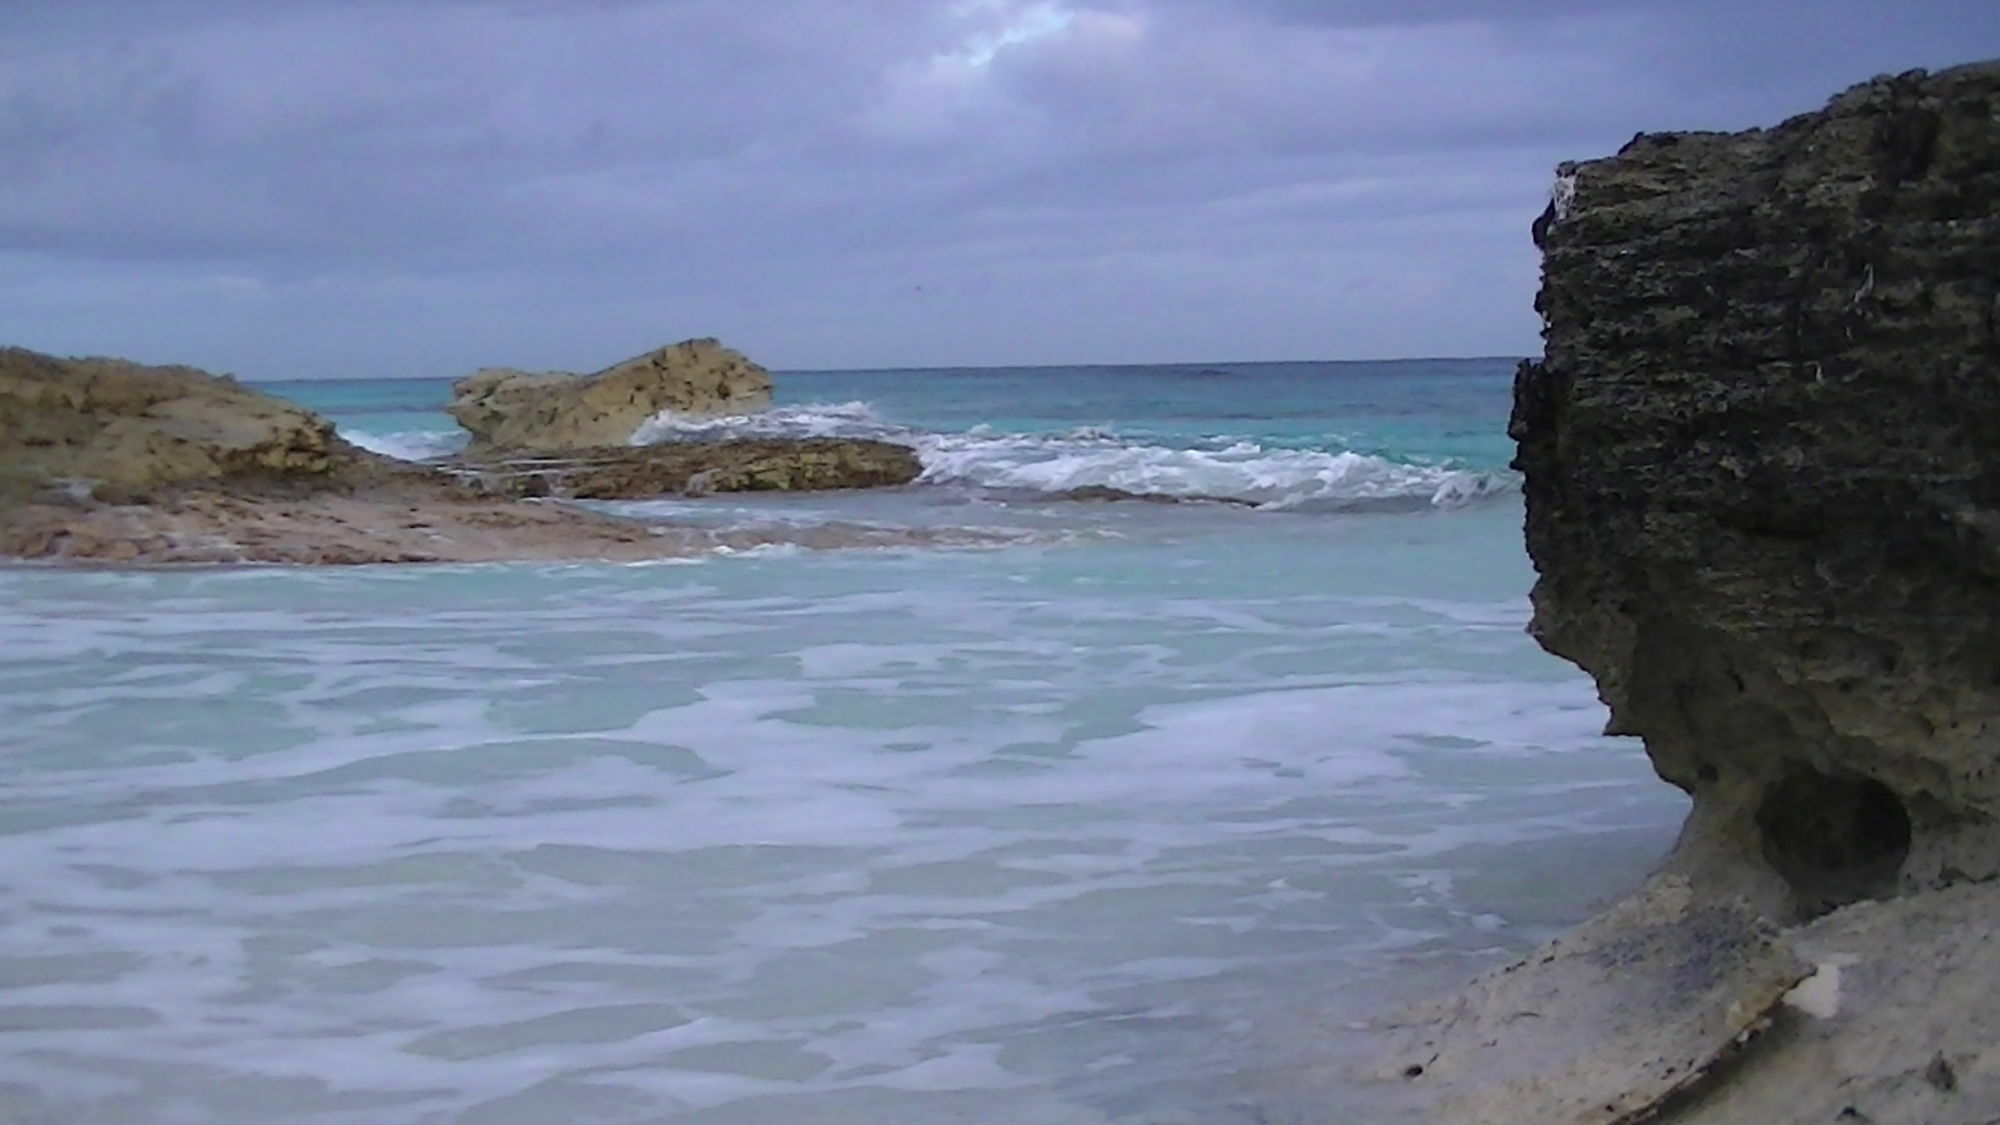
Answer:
[(122, 427), (1762, 463), (510, 411)]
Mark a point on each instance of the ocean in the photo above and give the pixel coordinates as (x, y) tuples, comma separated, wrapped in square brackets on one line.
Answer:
[(1111, 822)]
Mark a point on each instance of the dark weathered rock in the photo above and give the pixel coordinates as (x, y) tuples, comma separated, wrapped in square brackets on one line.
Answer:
[(1106, 494), (1762, 470), (698, 467), (1762, 462)]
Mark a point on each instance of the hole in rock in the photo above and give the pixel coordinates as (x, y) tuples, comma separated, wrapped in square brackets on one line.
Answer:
[(1835, 839)]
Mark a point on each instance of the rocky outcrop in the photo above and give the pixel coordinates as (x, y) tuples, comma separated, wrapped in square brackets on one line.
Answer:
[(1762, 462), (107, 461), (122, 428), (697, 468), (569, 436), (517, 412), (1762, 472)]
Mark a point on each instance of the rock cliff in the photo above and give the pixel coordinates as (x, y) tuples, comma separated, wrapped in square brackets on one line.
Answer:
[(1761, 461), (515, 412)]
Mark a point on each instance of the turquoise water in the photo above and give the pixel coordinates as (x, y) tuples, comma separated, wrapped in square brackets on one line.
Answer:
[(1425, 410), (1092, 827)]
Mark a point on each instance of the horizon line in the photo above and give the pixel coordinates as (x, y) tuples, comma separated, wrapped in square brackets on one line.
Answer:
[(919, 368)]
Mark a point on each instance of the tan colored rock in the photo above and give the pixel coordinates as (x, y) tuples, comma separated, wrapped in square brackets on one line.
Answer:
[(124, 427), (523, 412), (104, 461), (1900, 1024), (1603, 1026)]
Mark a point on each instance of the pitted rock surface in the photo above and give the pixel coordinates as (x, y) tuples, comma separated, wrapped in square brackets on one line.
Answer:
[(1762, 461), (516, 412)]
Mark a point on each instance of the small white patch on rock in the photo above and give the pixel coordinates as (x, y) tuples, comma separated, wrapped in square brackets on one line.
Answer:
[(1819, 994), (1563, 194)]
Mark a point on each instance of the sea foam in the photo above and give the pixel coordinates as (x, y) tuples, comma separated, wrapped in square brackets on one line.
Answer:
[(1241, 471), (408, 445)]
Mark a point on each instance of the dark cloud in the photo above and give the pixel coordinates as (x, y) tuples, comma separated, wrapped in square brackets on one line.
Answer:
[(838, 182)]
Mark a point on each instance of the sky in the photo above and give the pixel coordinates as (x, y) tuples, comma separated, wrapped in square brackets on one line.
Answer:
[(354, 188)]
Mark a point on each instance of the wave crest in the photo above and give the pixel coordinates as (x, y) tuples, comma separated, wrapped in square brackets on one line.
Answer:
[(816, 419), (1239, 471), (1243, 472), (408, 445)]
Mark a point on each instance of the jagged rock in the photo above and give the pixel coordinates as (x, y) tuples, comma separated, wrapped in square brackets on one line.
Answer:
[(1762, 471), (107, 461), (123, 428), (510, 411), (741, 465), (1762, 462)]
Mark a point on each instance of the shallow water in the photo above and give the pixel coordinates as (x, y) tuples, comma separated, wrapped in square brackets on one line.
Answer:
[(1085, 831)]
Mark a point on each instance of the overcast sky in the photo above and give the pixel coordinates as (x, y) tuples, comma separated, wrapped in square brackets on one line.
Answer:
[(319, 188)]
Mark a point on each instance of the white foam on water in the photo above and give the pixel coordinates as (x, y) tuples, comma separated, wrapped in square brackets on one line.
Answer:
[(924, 837), (819, 419), (1096, 456), (1242, 471), (408, 445)]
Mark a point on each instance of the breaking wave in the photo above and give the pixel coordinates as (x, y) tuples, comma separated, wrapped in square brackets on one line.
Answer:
[(408, 445), (1239, 471), (819, 419)]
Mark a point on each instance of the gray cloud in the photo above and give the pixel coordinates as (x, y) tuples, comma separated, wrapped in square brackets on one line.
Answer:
[(324, 187)]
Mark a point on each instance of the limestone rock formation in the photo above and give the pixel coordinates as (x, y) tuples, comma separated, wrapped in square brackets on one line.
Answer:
[(516, 412), (107, 461), (1762, 461), (694, 468), (121, 427), (1762, 474)]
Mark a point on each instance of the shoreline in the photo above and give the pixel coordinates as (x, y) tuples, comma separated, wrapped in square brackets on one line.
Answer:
[(224, 529)]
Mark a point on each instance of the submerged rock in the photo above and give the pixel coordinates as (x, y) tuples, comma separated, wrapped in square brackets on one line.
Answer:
[(695, 468), (509, 411), (1108, 494)]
